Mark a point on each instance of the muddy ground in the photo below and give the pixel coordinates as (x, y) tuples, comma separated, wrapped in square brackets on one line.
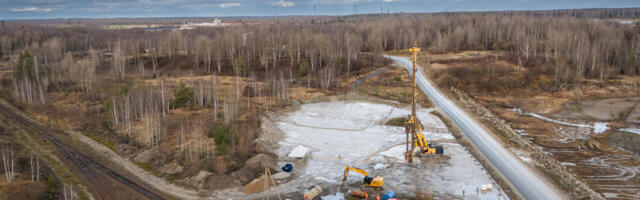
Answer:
[(608, 161)]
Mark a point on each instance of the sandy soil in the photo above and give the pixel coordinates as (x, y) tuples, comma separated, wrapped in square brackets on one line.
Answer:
[(600, 109)]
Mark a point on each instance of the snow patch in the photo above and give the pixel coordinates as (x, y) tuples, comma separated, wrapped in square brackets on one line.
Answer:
[(525, 159), (630, 130), (337, 196), (598, 127), (520, 131), (609, 195), (298, 152), (320, 178), (396, 152), (380, 166)]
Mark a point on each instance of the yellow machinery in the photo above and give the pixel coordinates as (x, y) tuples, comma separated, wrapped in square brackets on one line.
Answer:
[(375, 182), (414, 127)]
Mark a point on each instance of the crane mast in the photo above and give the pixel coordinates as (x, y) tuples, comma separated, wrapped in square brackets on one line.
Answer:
[(414, 128), (412, 124)]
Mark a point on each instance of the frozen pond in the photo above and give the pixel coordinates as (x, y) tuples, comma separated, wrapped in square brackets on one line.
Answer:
[(340, 133)]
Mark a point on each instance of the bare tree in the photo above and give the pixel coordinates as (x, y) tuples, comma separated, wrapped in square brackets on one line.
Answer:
[(7, 163)]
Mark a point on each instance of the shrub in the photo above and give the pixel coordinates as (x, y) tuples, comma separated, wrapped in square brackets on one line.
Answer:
[(106, 114), (223, 137), (182, 96), (25, 67)]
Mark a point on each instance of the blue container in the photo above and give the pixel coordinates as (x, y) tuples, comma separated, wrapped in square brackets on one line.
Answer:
[(287, 168), (389, 195)]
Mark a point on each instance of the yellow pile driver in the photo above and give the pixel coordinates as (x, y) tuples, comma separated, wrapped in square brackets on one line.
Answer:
[(374, 182), (414, 127)]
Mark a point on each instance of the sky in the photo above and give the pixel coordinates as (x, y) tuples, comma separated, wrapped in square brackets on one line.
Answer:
[(45, 9)]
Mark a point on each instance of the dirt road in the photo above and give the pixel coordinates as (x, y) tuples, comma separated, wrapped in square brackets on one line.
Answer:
[(528, 184)]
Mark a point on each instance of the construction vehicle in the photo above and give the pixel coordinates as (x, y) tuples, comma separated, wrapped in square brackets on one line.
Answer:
[(420, 141), (413, 125), (372, 182)]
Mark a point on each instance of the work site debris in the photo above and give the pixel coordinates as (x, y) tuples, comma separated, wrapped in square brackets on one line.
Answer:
[(257, 185), (336, 196), (298, 152), (281, 175), (312, 193), (287, 168), (360, 194), (487, 187), (389, 195)]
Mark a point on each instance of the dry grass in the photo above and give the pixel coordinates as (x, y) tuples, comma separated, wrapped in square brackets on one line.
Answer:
[(394, 84), (304, 93), (25, 190)]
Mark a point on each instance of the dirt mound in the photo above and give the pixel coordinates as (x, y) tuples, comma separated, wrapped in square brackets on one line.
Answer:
[(593, 145), (146, 156), (198, 180), (627, 141), (221, 181), (254, 167), (270, 134), (399, 121), (171, 168), (248, 92), (195, 168), (257, 185)]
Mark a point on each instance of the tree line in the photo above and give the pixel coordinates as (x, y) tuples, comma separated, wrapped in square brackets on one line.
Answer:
[(271, 58)]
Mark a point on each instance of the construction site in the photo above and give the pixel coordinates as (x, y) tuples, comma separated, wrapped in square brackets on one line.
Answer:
[(347, 147)]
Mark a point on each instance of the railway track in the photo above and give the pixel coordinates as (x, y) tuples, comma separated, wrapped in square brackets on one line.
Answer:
[(92, 170)]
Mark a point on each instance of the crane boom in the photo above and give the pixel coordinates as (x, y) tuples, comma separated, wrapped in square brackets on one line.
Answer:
[(414, 126)]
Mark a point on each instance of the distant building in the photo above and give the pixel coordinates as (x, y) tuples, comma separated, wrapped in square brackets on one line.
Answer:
[(216, 23)]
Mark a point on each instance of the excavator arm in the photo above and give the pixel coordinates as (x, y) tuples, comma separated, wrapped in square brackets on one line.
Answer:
[(368, 181), (346, 172)]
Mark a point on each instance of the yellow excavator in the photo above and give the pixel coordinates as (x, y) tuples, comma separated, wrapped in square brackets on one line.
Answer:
[(414, 127), (374, 182), (420, 141)]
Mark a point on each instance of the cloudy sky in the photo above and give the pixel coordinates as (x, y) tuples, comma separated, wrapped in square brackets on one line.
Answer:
[(37, 9)]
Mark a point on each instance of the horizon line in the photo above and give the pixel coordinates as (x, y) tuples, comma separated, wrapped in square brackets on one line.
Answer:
[(311, 15)]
